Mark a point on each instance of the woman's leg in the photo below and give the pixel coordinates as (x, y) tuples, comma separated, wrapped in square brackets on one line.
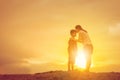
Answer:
[(88, 62), (88, 51)]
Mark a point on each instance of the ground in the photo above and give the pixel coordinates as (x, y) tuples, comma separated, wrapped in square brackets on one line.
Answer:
[(63, 75)]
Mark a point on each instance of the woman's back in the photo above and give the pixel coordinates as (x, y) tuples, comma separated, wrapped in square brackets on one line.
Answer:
[(84, 37)]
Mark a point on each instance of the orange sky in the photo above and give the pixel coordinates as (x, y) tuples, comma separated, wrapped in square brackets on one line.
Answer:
[(34, 33)]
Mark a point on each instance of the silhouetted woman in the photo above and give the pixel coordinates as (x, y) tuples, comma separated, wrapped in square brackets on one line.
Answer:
[(83, 38)]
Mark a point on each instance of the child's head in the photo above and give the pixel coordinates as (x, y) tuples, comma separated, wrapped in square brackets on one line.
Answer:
[(73, 33)]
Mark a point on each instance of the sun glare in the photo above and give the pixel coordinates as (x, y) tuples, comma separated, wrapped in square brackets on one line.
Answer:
[(80, 60)]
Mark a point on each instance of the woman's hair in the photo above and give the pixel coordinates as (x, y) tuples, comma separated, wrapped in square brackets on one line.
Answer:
[(80, 28)]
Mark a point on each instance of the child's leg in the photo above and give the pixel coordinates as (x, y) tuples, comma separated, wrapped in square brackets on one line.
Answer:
[(72, 65), (69, 65)]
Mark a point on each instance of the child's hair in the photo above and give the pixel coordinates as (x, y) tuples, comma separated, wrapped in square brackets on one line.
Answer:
[(72, 31)]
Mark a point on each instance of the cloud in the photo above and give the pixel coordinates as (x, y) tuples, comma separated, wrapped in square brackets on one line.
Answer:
[(11, 58), (107, 68), (15, 68), (115, 30), (49, 66)]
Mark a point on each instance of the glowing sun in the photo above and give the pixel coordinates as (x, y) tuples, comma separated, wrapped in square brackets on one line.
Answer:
[(80, 60)]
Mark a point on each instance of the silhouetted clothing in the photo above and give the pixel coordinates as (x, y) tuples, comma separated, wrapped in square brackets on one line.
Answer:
[(72, 51), (84, 38)]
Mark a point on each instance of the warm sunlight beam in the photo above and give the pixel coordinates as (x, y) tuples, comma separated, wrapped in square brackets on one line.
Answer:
[(80, 60)]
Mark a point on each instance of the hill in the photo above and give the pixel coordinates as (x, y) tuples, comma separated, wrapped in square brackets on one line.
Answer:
[(63, 75)]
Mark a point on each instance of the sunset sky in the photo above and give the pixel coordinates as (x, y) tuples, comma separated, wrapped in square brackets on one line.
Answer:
[(34, 33)]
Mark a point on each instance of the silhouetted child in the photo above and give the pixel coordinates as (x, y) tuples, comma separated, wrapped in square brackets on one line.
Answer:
[(72, 50)]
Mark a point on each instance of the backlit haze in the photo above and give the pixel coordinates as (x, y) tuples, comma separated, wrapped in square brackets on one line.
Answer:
[(34, 33)]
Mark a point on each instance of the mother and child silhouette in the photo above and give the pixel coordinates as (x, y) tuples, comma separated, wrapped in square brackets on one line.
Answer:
[(84, 39)]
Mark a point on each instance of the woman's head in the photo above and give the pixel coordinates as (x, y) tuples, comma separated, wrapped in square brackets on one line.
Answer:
[(73, 33), (78, 28)]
